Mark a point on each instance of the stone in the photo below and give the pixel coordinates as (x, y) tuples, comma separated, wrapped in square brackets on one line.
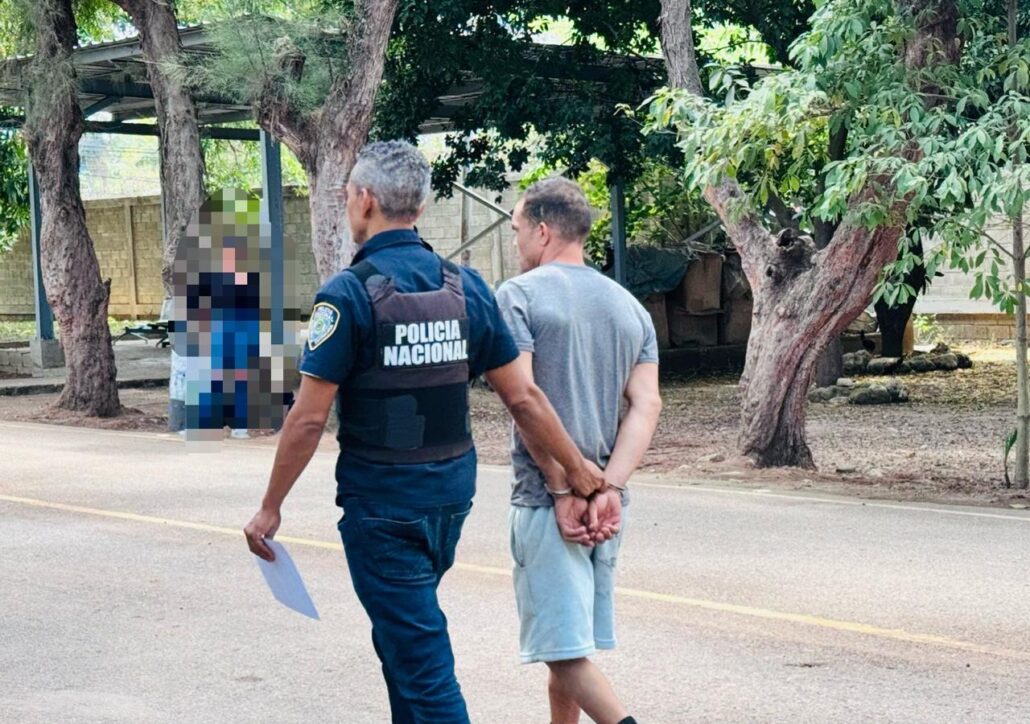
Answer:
[(904, 367), (875, 473), (882, 365), (839, 401), (897, 391), (822, 394), (964, 361), (856, 362), (922, 363), (871, 395), (846, 382), (846, 469), (947, 362), (713, 458)]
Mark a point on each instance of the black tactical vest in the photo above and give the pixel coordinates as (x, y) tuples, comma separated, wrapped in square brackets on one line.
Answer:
[(411, 405)]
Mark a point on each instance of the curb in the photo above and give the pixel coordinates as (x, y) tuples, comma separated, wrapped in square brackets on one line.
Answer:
[(47, 388)]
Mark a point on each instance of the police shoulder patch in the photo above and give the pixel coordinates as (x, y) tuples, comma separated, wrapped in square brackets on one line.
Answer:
[(324, 318)]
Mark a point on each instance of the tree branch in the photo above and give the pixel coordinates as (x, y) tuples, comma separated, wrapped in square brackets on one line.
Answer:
[(741, 220), (784, 215), (348, 108), (277, 114), (824, 229), (678, 46)]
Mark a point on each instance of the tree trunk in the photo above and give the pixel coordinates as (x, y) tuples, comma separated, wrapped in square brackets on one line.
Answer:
[(1019, 268), (328, 210), (182, 159), (71, 272), (830, 366), (892, 322), (327, 141), (804, 298), (1022, 399)]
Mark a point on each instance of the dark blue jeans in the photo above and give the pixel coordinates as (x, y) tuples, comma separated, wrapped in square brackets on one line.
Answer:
[(397, 557)]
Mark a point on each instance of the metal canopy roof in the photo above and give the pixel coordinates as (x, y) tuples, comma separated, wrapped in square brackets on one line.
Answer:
[(113, 78)]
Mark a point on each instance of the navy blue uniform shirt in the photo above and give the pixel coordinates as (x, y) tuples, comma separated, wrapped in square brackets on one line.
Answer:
[(343, 342)]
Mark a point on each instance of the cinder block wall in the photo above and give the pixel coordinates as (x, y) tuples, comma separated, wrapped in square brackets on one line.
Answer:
[(127, 238)]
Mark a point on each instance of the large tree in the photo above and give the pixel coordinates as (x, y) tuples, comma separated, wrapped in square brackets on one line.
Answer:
[(71, 273), (179, 149), (312, 73), (181, 159), (856, 62)]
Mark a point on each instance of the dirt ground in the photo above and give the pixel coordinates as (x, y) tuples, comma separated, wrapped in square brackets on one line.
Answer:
[(944, 445)]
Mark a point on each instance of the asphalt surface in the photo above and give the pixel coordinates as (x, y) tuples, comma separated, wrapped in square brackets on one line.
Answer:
[(127, 595)]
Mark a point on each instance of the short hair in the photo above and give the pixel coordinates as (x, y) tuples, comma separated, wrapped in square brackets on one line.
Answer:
[(561, 204), (397, 174)]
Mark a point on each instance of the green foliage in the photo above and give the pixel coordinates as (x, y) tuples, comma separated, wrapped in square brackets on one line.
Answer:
[(927, 329), (248, 33), (237, 164), (530, 92), (14, 187), (956, 153), (660, 210), (779, 23), (1007, 445)]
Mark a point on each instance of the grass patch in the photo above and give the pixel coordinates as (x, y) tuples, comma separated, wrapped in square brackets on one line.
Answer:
[(24, 331)]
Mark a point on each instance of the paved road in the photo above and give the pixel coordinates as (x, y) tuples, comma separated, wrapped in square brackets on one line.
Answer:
[(127, 595)]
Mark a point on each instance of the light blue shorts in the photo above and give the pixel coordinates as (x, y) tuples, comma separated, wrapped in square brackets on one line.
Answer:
[(565, 592)]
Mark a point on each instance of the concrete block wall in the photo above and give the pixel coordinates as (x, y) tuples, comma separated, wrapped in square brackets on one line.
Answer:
[(148, 241), (992, 327), (16, 280), (16, 360), (127, 239)]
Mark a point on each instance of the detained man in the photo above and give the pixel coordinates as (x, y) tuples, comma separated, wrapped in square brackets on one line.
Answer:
[(591, 347)]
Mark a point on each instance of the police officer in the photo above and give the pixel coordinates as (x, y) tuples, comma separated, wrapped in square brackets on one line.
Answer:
[(395, 339)]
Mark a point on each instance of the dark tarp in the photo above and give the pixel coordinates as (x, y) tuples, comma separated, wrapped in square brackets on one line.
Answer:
[(650, 270)]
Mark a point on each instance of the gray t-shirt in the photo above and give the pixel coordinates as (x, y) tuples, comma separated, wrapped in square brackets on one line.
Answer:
[(586, 334)]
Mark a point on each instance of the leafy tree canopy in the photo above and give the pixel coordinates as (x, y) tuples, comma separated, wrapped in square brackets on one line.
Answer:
[(954, 140)]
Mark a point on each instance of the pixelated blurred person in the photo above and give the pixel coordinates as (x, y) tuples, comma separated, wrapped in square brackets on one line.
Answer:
[(223, 323)]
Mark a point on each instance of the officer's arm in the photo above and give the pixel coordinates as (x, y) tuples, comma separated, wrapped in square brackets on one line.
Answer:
[(548, 465), (638, 425), (298, 441), (540, 427)]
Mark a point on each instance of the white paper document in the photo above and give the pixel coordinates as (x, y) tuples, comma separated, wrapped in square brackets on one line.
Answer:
[(284, 579)]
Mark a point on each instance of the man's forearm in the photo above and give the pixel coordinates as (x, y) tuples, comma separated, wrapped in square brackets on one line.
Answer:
[(634, 437), (297, 445), (551, 468), (543, 432)]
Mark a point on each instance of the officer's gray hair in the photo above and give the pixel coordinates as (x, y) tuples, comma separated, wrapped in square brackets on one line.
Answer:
[(561, 204), (397, 174)]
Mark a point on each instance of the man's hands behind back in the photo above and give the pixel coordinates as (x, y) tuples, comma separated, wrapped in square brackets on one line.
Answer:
[(591, 521)]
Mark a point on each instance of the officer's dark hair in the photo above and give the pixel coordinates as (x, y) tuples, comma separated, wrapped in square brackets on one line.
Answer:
[(561, 204), (397, 174)]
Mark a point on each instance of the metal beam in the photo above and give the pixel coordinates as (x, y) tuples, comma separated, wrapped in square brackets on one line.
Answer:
[(272, 211), (146, 129), (44, 314), (132, 89), (485, 202), (619, 230), (131, 48), (98, 106), (493, 225)]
